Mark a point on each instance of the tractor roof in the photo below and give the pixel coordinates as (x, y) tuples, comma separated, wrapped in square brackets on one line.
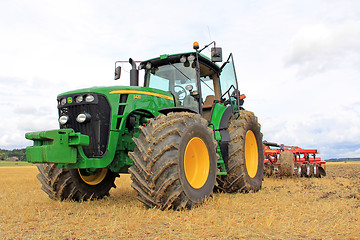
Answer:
[(175, 58)]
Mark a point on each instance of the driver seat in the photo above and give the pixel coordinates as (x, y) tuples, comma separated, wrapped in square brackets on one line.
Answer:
[(209, 101), (207, 107)]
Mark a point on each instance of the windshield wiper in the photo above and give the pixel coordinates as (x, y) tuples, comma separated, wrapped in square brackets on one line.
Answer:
[(207, 85), (190, 78), (180, 71)]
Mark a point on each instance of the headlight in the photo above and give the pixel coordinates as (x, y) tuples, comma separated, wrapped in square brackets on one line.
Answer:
[(79, 99), (89, 98), (83, 117), (63, 119), (63, 101)]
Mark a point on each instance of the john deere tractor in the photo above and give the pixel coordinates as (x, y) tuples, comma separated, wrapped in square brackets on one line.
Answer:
[(181, 135)]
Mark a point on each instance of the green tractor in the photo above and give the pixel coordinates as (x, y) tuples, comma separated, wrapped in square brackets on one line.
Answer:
[(181, 136)]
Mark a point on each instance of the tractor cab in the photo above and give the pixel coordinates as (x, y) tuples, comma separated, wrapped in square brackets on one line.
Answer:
[(195, 81), (178, 74)]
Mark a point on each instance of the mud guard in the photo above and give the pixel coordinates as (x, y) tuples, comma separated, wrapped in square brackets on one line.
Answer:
[(225, 136), (167, 110)]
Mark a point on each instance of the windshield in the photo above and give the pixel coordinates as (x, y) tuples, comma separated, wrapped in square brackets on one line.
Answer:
[(177, 78)]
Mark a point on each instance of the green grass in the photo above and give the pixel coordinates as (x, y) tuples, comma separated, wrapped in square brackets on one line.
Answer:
[(14, 164)]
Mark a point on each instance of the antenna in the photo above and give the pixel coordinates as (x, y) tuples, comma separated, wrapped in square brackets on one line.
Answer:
[(209, 33)]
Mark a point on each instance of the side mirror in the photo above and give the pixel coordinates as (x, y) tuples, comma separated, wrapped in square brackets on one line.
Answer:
[(117, 73), (216, 54)]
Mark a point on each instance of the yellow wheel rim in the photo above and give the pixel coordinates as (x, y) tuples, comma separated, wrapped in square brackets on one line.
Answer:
[(196, 162), (251, 154), (95, 178)]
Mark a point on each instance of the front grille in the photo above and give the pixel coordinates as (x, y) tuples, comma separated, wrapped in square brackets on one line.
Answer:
[(97, 128)]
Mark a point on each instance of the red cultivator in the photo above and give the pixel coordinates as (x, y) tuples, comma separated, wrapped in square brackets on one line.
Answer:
[(292, 160)]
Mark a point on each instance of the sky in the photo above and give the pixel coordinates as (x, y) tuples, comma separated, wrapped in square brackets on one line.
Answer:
[(298, 62)]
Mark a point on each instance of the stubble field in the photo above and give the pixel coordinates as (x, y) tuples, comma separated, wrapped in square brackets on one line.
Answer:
[(294, 208)]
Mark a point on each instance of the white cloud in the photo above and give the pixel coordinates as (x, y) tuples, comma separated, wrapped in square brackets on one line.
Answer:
[(318, 48), (333, 134), (48, 47), (350, 152)]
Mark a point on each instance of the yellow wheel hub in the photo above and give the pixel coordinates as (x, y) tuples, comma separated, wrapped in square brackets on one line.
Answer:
[(251, 154), (95, 178), (196, 162)]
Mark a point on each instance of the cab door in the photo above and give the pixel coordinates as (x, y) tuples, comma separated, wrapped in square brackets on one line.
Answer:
[(229, 85)]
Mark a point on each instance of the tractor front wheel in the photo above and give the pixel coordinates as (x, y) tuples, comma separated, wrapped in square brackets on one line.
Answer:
[(174, 162), (75, 184)]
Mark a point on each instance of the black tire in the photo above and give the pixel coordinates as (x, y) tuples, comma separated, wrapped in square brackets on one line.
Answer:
[(160, 162), (268, 170), (69, 184), (245, 173), (286, 164)]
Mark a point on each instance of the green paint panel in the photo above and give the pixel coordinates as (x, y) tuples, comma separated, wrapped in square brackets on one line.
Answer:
[(55, 146), (218, 112), (64, 146)]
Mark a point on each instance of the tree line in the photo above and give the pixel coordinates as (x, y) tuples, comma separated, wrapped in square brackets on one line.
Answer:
[(343, 160), (19, 153)]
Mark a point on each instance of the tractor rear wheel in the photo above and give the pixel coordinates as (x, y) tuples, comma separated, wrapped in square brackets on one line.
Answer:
[(246, 155), (75, 184), (286, 163), (174, 162)]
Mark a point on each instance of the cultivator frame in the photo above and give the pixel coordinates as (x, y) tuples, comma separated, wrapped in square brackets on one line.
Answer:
[(305, 161)]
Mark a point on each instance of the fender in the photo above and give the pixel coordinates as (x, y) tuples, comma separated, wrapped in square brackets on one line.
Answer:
[(176, 109), (225, 136)]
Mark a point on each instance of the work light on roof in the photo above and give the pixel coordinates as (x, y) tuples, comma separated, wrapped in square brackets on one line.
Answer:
[(183, 59), (148, 65), (191, 58)]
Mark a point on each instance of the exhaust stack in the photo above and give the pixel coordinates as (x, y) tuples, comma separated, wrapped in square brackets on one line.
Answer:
[(134, 74)]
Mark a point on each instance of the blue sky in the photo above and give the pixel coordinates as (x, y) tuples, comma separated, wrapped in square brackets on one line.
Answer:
[(298, 62)]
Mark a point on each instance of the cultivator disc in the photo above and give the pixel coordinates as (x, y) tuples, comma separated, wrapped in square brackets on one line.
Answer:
[(284, 160)]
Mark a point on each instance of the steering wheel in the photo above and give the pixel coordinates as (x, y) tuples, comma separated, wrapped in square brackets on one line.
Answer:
[(180, 93)]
